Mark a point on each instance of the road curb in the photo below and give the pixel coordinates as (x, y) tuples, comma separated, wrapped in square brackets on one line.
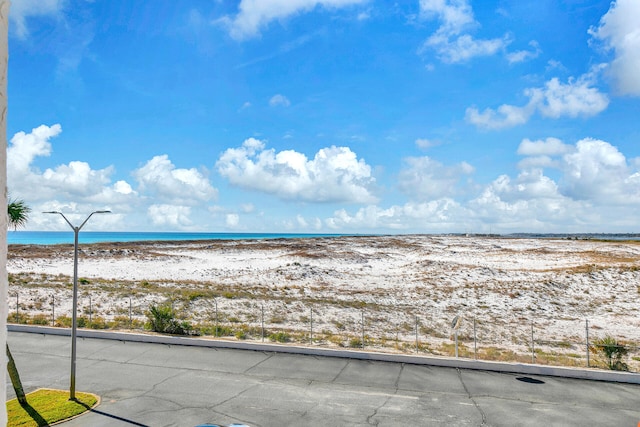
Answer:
[(480, 365)]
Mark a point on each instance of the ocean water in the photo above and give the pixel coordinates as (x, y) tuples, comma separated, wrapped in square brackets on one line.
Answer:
[(58, 237)]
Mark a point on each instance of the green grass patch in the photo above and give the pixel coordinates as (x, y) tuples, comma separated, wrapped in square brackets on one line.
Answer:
[(45, 407)]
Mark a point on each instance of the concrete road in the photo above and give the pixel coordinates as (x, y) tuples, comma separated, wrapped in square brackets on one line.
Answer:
[(160, 385)]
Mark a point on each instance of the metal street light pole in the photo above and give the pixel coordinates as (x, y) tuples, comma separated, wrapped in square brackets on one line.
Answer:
[(76, 231)]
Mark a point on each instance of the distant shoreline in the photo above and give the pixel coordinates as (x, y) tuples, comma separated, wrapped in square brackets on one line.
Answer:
[(88, 237)]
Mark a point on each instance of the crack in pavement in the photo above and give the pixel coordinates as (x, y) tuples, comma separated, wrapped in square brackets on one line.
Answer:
[(341, 371), (396, 384), (554, 403), (269, 356), (159, 383), (484, 417), (370, 420), (238, 394), (388, 398), (316, 403)]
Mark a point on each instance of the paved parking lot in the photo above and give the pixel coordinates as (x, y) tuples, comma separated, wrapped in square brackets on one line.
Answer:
[(144, 384)]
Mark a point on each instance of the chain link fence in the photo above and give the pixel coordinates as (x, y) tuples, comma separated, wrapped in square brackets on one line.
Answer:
[(354, 326)]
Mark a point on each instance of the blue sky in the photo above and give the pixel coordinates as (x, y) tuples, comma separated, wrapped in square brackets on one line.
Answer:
[(327, 116)]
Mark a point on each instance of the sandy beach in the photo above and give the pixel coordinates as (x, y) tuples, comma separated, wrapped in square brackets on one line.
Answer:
[(386, 287)]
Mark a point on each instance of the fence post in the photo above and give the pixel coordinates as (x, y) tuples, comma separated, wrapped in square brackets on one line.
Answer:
[(215, 301), (262, 322), (533, 349), (586, 328), (456, 334), (89, 310), (416, 334), (456, 325), (17, 307), (363, 329), (53, 310), (475, 343), (397, 335), (311, 327), (130, 317)]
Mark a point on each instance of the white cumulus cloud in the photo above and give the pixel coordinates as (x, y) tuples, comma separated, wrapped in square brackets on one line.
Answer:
[(451, 40), (577, 97), (591, 170), (542, 153), (254, 15), (530, 202), (464, 47), (525, 55), (505, 116), (530, 185), (74, 188), (547, 147), (619, 30), (454, 15), (160, 178), (170, 215), (595, 185), (123, 187), (335, 174), (24, 148), (76, 180), (437, 216), (573, 99), (232, 220), (598, 171), (426, 179)]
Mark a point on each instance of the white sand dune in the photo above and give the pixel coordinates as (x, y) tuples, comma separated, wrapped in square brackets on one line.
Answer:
[(506, 284)]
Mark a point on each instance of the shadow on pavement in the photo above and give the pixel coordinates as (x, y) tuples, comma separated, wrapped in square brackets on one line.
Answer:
[(115, 417), (530, 380)]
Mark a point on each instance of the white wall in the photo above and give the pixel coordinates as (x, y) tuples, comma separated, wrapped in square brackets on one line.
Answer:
[(4, 52)]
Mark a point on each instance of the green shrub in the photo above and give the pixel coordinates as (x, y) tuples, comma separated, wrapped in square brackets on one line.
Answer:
[(40, 319), (119, 322), (162, 319), (98, 323), (355, 343), (194, 295), (612, 351), (63, 321), (19, 318), (81, 322), (335, 339), (280, 337), (218, 331)]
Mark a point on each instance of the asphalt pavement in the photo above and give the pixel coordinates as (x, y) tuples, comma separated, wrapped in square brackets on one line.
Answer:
[(144, 384)]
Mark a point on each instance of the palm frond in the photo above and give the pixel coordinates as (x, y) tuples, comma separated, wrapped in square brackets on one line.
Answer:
[(18, 212)]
